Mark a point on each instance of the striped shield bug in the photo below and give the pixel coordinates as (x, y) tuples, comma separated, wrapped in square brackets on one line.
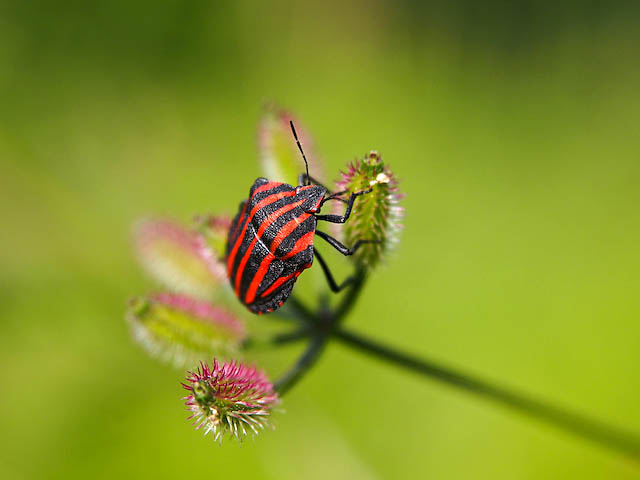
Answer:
[(270, 242)]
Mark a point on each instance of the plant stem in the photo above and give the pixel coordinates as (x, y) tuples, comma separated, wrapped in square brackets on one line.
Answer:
[(351, 296), (283, 338), (299, 310), (325, 324), (594, 430), (304, 363), (322, 324), (278, 339)]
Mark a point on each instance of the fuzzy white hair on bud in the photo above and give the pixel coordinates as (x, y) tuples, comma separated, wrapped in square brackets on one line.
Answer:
[(382, 178), (377, 215)]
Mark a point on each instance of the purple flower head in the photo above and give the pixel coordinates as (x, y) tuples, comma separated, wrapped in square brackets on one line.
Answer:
[(229, 397)]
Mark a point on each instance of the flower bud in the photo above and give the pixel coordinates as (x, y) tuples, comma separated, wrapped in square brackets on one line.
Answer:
[(214, 230), (177, 258), (376, 215), (281, 160), (183, 331), (231, 397)]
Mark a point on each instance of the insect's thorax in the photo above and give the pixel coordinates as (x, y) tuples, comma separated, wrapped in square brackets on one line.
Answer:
[(284, 214)]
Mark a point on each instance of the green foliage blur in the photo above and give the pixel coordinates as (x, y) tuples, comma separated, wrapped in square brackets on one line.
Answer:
[(514, 127)]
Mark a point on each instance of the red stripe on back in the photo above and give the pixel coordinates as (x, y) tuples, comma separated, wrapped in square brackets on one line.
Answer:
[(285, 231), (279, 282), (258, 277), (240, 219), (262, 188), (302, 243), (264, 202), (267, 222), (266, 186)]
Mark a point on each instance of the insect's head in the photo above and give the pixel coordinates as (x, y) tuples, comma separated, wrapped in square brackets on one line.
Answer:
[(313, 196), (306, 164)]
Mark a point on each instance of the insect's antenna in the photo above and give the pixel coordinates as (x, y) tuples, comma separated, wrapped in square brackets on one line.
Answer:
[(306, 164)]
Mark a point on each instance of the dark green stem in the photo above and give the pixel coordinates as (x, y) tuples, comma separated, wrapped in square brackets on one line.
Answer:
[(594, 430), (299, 310), (326, 324), (254, 343), (321, 325), (351, 296), (304, 363), (283, 338)]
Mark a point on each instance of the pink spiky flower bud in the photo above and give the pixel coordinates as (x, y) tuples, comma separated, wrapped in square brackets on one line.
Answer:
[(279, 155), (182, 330), (177, 258), (229, 397), (376, 215)]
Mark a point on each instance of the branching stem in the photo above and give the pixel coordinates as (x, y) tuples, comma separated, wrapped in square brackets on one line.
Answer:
[(609, 436), (325, 324), (322, 324), (304, 363)]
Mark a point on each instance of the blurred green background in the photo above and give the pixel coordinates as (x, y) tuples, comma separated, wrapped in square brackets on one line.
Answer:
[(515, 129)]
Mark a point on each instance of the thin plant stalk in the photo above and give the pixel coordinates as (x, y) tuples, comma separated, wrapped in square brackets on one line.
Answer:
[(324, 325), (594, 430)]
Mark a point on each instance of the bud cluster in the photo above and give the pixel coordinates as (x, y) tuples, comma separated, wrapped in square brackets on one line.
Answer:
[(191, 321)]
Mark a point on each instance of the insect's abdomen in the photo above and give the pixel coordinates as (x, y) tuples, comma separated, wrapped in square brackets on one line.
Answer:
[(269, 244)]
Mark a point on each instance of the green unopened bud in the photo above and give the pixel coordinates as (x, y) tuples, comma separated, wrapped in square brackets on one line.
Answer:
[(279, 154), (177, 258), (183, 331), (215, 230), (376, 215)]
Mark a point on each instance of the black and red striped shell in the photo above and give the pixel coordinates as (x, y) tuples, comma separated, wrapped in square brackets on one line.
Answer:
[(270, 242)]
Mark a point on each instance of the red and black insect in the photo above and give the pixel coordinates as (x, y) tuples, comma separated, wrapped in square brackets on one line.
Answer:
[(270, 242)]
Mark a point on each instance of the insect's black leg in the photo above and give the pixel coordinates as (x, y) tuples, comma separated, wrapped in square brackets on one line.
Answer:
[(347, 213), (327, 273), (343, 249), (335, 196), (331, 197)]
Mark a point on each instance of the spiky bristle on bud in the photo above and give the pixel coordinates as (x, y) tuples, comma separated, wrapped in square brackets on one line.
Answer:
[(230, 397), (376, 215), (177, 258), (279, 154), (182, 330)]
